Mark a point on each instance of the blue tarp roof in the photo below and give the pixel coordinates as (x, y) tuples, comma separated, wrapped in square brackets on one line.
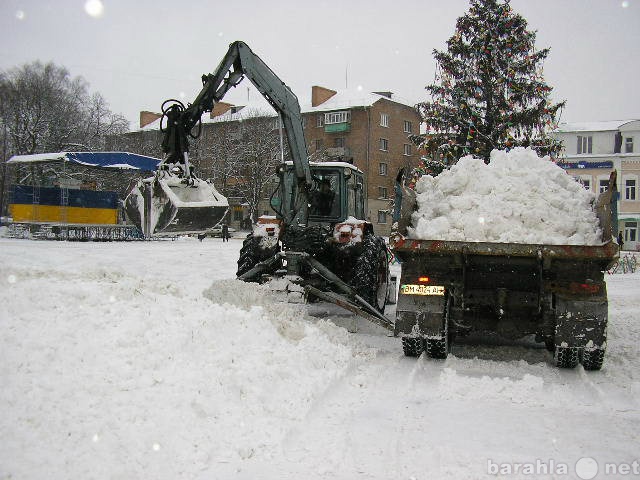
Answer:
[(123, 160)]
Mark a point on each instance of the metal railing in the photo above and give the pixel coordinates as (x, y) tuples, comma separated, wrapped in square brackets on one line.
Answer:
[(625, 264)]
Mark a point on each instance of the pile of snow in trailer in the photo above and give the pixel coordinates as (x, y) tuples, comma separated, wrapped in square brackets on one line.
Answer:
[(517, 198)]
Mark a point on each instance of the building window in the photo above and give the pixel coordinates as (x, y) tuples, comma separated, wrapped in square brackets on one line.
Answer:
[(585, 145), (603, 185), (384, 144), (407, 126), (320, 120), (630, 231), (382, 192), (630, 189), (407, 149), (384, 119), (382, 216), (338, 142), (237, 214), (628, 145), (319, 145), (382, 170), (336, 117), (584, 180)]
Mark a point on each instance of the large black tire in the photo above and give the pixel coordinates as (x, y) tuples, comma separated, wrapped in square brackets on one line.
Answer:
[(592, 359), (371, 272), (412, 346), (253, 252), (567, 357), (437, 347)]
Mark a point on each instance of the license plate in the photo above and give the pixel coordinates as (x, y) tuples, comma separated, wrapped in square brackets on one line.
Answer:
[(411, 289)]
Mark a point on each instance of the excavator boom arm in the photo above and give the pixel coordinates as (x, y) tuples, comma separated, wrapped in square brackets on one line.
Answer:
[(240, 61)]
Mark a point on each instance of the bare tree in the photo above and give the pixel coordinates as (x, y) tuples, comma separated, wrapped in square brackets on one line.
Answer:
[(257, 155), (43, 109), (221, 150), (238, 153), (99, 122)]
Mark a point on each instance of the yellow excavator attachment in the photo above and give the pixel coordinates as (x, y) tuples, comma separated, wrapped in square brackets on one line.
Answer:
[(171, 205)]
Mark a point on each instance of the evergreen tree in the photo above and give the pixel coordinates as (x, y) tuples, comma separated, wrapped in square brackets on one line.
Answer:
[(489, 92)]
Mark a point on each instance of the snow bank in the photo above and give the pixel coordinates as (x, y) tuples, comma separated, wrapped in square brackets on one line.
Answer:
[(517, 198), (115, 365), (111, 375)]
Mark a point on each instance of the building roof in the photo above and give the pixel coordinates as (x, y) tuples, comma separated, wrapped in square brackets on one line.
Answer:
[(251, 108), (118, 160), (257, 104), (607, 126), (350, 98)]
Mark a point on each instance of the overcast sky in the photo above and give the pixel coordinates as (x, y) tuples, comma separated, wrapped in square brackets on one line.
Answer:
[(138, 53)]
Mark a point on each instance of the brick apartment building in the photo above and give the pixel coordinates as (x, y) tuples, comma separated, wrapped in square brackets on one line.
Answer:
[(369, 130)]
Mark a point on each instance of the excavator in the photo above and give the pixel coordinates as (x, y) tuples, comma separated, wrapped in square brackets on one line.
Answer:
[(317, 245)]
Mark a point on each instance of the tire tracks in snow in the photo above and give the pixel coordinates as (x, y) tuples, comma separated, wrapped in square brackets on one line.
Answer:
[(343, 427)]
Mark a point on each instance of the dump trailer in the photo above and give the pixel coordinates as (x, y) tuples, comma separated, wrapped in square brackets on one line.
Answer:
[(449, 289)]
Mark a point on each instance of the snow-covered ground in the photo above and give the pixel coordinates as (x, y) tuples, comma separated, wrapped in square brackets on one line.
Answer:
[(150, 361)]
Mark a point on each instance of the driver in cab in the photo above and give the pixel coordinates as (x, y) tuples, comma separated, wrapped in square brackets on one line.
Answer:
[(322, 199)]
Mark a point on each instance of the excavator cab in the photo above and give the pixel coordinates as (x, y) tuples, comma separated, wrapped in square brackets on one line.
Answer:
[(336, 192)]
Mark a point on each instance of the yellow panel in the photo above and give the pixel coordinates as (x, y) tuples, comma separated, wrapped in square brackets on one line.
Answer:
[(55, 214), (92, 215), (34, 213)]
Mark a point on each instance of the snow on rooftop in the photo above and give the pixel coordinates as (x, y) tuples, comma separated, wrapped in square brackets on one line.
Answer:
[(349, 98), (38, 157), (611, 125), (118, 160), (256, 104)]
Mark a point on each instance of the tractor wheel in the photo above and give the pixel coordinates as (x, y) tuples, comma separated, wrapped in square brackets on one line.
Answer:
[(437, 347), (371, 272), (412, 346), (254, 251), (567, 357), (592, 359)]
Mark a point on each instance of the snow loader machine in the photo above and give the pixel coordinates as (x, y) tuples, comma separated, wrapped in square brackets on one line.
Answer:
[(315, 246), (450, 289)]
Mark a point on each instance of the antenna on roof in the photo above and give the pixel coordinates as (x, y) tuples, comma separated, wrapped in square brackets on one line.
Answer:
[(248, 92), (346, 76)]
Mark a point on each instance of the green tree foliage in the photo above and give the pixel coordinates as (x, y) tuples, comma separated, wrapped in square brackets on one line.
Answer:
[(489, 92)]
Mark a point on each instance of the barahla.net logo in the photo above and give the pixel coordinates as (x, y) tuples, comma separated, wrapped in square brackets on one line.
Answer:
[(586, 468)]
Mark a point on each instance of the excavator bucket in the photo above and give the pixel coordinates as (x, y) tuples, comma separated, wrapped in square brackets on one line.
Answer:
[(170, 205)]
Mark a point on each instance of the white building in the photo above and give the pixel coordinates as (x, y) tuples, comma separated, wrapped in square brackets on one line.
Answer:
[(593, 150)]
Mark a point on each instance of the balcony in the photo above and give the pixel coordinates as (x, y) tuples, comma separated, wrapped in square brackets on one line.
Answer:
[(337, 127)]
